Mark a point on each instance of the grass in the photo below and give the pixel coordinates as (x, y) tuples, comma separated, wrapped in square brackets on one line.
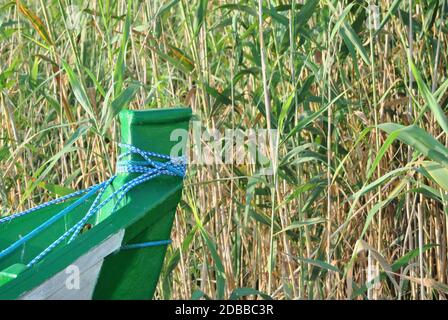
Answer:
[(357, 205)]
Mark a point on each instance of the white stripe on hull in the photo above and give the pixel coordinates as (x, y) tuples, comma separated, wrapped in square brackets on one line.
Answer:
[(64, 285)]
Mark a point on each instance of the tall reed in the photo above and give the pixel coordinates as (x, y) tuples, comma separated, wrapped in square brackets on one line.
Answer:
[(357, 205)]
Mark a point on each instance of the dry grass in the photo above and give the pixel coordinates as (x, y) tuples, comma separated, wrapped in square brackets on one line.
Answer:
[(231, 65)]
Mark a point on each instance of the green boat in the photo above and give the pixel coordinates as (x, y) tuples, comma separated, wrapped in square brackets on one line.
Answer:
[(108, 241)]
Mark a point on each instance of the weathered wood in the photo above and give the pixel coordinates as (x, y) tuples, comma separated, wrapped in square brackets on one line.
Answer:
[(89, 266)]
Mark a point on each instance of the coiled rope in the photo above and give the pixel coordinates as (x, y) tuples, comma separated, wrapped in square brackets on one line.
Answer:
[(148, 168)]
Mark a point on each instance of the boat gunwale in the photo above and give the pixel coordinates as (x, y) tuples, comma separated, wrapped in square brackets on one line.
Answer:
[(64, 256), (155, 116)]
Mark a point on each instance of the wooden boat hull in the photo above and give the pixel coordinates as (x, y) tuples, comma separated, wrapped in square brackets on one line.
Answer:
[(79, 279), (106, 271)]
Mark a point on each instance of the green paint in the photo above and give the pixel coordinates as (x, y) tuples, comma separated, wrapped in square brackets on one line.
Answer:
[(11, 272), (146, 214)]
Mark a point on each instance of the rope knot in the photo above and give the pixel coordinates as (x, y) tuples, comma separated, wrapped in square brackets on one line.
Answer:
[(174, 166)]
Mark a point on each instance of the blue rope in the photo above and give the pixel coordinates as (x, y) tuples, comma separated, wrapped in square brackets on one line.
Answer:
[(147, 168), (146, 244), (47, 223), (47, 204)]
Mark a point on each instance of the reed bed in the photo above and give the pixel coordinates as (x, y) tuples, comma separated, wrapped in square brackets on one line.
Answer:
[(356, 205)]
